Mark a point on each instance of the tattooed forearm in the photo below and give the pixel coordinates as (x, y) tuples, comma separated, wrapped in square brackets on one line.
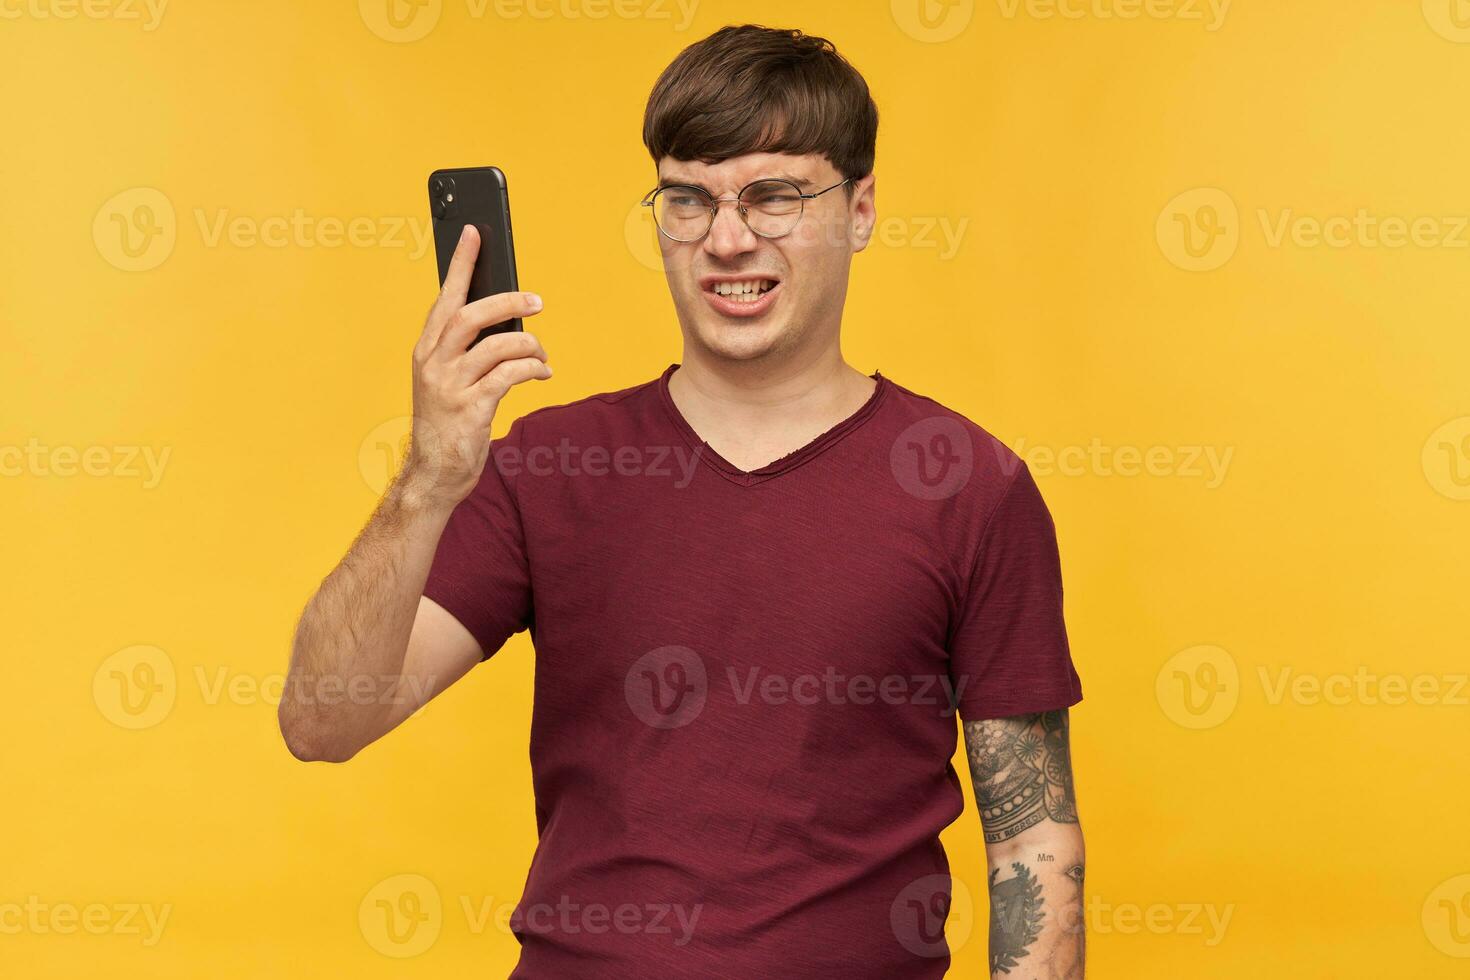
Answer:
[(1022, 772)]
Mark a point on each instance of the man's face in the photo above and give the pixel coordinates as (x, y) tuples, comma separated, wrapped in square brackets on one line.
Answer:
[(801, 277)]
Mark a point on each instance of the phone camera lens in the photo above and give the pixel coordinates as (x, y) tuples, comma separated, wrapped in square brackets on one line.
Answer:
[(441, 195)]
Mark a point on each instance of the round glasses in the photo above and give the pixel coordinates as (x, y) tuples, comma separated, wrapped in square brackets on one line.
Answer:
[(770, 208)]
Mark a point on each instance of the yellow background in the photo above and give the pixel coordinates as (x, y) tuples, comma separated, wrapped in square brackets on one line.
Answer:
[(1330, 830)]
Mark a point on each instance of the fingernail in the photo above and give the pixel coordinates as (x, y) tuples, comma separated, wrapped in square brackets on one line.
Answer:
[(533, 301), (464, 232), (548, 370)]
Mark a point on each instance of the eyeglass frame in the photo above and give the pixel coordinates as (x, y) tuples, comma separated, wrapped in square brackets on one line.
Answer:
[(715, 202)]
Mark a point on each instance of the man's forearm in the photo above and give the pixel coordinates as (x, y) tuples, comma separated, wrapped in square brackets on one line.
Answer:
[(354, 632), (1022, 771), (1036, 910)]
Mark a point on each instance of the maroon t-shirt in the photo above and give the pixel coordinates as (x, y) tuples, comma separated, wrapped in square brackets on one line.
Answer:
[(745, 681)]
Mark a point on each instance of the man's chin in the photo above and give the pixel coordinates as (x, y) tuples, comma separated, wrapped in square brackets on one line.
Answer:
[(739, 340)]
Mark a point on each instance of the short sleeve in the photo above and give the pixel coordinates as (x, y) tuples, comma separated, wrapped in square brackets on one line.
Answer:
[(1009, 645), (481, 574)]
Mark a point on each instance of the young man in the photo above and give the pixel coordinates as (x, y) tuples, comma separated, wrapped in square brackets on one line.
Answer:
[(758, 588)]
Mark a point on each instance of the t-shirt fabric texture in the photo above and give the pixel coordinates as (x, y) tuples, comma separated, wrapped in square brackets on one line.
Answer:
[(746, 681)]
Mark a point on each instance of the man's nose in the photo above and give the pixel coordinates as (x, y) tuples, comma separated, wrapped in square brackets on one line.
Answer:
[(729, 235)]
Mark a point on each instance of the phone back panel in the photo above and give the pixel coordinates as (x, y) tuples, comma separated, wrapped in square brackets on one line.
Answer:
[(476, 196)]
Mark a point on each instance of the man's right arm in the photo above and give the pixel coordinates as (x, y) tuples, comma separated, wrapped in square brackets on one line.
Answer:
[(370, 649)]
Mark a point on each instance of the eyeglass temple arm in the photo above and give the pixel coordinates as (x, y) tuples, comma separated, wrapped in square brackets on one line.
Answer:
[(808, 197)]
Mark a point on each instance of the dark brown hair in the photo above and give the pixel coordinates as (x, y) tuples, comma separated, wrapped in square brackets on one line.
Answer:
[(753, 89)]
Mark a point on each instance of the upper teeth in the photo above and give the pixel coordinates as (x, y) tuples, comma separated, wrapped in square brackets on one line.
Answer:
[(749, 286)]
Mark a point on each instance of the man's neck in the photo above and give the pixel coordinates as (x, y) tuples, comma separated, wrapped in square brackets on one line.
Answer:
[(755, 414)]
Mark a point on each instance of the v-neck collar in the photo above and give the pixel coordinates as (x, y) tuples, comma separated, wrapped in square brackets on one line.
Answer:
[(776, 467)]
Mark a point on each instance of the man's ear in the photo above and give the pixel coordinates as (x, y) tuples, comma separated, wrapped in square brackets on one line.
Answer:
[(864, 211)]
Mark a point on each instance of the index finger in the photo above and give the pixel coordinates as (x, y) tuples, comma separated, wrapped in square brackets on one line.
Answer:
[(462, 266), (456, 285)]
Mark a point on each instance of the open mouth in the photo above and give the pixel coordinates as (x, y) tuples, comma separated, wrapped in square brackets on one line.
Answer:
[(741, 297)]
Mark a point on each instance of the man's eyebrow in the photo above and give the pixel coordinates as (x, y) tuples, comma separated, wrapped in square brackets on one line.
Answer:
[(798, 181), (673, 180)]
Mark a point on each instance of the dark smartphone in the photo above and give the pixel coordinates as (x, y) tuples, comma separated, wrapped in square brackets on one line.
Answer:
[(476, 196)]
